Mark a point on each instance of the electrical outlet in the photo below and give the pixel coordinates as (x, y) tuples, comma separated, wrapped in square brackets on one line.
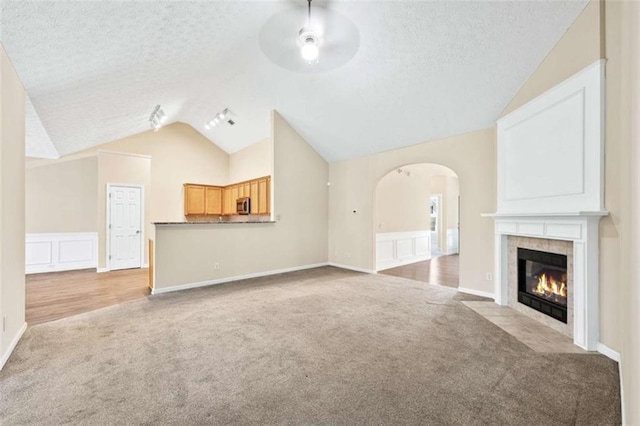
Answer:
[(216, 266), (489, 276)]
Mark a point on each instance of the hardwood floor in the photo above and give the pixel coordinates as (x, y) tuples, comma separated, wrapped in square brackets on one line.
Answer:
[(442, 270), (57, 295)]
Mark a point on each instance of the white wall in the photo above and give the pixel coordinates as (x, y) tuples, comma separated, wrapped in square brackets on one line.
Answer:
[(187, 254), (12, 244)]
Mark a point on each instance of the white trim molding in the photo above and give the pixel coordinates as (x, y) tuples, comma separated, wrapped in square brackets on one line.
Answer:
[(402, 248), (53, 252), (207, 283), (12, 346), (608, 352), (352, 268), (582, 229), (474, 292)]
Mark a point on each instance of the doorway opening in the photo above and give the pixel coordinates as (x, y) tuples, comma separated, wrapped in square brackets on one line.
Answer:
[(417, 223)]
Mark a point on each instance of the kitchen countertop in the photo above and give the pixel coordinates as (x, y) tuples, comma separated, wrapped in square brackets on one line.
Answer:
[(215, 222)]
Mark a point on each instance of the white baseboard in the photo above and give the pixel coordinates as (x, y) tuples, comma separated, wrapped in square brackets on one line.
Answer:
[(622, 410), (608, 352), (477, 292), (156, 290), (352, 268), (102, 270), (400, 262), (13, 345)]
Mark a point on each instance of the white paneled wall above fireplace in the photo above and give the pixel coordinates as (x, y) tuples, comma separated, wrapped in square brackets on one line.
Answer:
[(550, 151)]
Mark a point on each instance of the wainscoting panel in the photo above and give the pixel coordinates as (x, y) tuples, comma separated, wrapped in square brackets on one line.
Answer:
[(61, 252), (401, 248), (452, 241)]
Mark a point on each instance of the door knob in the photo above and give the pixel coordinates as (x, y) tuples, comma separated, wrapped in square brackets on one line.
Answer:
[(138, 231)]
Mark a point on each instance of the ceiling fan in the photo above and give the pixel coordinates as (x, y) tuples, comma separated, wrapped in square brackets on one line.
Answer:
[(313, 40)]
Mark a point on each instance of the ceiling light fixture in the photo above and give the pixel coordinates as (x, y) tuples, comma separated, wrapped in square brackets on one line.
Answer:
[(220, 118), (157, 118), (308, 40)]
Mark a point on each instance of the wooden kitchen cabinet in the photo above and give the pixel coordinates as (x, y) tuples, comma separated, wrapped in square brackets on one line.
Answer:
[(202, 199), (230, 197), (253, 194), (221, 200), (194, 199), (213, 200), (264, 192)]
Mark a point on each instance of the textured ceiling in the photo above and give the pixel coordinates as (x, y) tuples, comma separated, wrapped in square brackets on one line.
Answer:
[(94, 70)]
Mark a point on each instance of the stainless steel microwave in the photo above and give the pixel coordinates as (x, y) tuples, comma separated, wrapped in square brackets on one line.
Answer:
[(243, 205)]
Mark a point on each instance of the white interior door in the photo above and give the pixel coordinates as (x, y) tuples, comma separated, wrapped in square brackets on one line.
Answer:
[(125, 227)]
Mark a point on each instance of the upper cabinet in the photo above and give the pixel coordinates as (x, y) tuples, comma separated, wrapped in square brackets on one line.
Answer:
[(213, 200), (194, 199), (264, 195), (218, 200), (202, 199)]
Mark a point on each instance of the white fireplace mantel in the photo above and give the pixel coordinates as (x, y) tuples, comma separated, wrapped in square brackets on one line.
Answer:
[(582, 229), (550, 184)]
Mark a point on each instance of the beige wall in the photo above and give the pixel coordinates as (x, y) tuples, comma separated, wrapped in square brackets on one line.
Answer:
[(620, 275), (62, 197), (630, 321), (251, 162), (120, 168), (187, 254), (402, 202), (471, 156), (12, 244), (579, 47)]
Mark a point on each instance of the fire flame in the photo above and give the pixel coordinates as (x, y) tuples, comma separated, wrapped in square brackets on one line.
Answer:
[(550, 286)]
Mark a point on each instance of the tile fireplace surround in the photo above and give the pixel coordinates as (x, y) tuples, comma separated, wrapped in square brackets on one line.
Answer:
[(549, 246)]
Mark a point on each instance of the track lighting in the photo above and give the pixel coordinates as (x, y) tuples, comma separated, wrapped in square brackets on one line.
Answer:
[(219, 118), (157, 118)]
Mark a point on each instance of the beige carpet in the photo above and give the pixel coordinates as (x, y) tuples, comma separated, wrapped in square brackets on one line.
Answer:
[(324, 346)]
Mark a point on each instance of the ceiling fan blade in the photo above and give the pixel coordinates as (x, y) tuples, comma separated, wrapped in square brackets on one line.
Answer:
[(339, 39)]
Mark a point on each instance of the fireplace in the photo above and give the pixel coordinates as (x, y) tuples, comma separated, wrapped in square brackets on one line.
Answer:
[(542, 282)]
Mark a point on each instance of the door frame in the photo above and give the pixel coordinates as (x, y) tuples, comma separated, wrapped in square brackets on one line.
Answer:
[(108, 220), (439, 228)]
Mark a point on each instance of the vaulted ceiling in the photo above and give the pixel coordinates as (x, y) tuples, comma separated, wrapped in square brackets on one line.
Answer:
[(94, 70)]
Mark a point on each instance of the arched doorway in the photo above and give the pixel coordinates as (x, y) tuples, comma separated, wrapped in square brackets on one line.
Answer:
[(417, 223)]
